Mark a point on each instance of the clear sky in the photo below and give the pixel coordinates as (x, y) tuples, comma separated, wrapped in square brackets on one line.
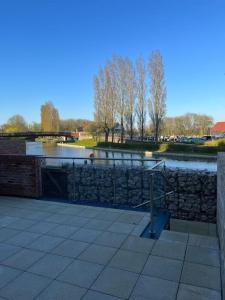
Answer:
[(50, 49)]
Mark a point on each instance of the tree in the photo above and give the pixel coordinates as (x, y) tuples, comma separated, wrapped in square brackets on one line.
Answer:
[(49, 117), (130, 97), (188, 124), (141, 101), (34, 126), (102, 95), (157, 101), (120, 73), (16, 124)]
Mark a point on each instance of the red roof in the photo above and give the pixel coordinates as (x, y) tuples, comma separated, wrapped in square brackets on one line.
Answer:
[(219, 127)]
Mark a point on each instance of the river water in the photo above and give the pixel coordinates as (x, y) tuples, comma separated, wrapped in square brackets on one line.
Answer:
[(37, 148)]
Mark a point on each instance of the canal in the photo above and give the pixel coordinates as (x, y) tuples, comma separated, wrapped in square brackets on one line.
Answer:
[(50, 149)]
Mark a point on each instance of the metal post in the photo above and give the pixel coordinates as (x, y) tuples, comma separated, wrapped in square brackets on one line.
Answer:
[(73, 181), (152, 231), (114, 183)]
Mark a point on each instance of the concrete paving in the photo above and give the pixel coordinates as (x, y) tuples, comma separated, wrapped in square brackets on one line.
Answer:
[(52, 250)]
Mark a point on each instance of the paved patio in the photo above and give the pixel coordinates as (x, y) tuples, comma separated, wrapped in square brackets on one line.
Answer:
[(52, 250)]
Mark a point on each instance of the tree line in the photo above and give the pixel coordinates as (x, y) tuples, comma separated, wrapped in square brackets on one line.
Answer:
[(131, 96), (50, 121), (188, 125), (121, 88)]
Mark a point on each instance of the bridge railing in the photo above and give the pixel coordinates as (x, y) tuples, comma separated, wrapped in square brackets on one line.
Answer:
[(38, 133)]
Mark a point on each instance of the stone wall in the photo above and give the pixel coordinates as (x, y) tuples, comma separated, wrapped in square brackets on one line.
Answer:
[(221, 212), (12, 146), (20, 176), (194, 197), (195, 194)]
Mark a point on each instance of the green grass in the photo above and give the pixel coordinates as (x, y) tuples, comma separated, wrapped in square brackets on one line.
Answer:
[(211, 149), (86, 143)]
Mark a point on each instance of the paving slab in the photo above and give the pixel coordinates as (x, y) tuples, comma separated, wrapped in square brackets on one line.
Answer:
[(120, 227), (88, 213), (23, 238), (108, 216), (190, 292), (111, 239), (154, 289), (130, 219), (21, 224), (129, 260), (81, 273), (115, 282), (172, 236), (41, 227), (57, 218), (25, 287), (98, 224), (7, 220), (164, 268), (137, 244), (62, 291), (202, 255), (23, 259), (203, 241), (173, 250), (86, 235), (70, 248), (7, 251), (45, 243), (92, 295), (7, 274), (201, 275), (98, 254), (64, 231), (76, 221), (7, 233), (50, 265)]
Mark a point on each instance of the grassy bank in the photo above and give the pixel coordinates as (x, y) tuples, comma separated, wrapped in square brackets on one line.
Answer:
[(85, 143), (208, 148)]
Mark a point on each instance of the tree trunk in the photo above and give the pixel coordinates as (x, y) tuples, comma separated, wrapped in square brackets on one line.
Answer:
[(113, 135), (122, 130), (142, 130), (106, 135), (131, 128)]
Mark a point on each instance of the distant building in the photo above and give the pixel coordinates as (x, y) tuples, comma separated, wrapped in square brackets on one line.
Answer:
[(218, 129)]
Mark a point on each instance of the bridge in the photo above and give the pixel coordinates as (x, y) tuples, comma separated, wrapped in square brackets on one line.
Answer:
[(33, 135)]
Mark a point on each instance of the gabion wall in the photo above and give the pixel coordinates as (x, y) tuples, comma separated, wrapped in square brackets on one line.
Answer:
[(194, 197)]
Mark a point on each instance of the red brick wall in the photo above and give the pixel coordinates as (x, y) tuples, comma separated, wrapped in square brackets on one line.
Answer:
[(20, 176), (12, 146)]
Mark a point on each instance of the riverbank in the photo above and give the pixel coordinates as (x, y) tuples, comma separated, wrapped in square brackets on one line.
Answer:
[(171, 155)]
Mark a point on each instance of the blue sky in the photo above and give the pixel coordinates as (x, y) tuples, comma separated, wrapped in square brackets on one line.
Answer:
[(50, 49)]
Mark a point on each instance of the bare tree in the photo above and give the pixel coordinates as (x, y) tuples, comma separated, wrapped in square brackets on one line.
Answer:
[(104, 104), (141, 101), (130, 97), (119, 70), (157, 101), (49, 117)]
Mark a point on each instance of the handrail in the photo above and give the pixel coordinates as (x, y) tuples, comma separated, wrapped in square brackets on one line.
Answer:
[(157, 198), (99, 158)]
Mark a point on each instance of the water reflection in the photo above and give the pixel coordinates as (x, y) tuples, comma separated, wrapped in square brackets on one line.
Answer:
[(36, 148)]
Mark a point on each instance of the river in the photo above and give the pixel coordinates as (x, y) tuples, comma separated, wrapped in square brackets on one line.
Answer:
[(37, 148)]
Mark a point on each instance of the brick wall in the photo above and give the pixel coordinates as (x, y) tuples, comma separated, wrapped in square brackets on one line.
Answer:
[(20, 176), (12, 146)]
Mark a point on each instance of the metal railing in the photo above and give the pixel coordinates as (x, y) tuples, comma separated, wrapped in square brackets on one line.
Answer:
[(155, 173)]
